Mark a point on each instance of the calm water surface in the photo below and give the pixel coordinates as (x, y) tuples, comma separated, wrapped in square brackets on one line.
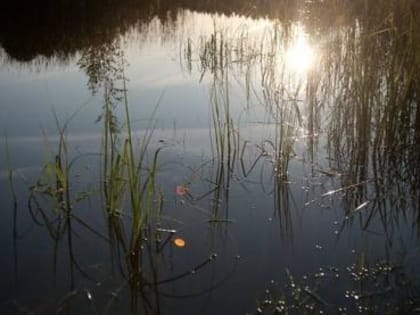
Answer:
[(287, 146)]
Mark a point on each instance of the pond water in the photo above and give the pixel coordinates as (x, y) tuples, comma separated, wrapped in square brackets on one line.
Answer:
[(193, 158)]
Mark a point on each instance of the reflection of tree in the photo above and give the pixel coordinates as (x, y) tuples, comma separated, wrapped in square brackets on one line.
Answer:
[(62, 28), (55, 29)]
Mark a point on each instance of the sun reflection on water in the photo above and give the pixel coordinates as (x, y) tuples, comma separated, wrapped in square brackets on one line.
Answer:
[(300, 54)]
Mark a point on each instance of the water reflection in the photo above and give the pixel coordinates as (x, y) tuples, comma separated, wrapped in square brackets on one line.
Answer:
[(63, 28), (300, 55), (314, 138)]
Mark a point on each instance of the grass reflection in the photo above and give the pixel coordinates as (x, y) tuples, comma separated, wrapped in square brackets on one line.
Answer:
[(357, 102), (362, 94)]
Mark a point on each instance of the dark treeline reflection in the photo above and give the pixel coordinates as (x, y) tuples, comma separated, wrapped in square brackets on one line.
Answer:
[(61, 28)]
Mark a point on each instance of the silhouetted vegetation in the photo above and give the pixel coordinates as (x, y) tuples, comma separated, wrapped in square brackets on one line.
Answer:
[(357, 106)]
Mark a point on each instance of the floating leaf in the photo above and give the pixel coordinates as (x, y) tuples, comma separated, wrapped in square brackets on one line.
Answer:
[(181, 190), (179, 242)]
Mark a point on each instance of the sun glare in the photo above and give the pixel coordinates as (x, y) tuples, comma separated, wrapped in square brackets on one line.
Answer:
[(300, 55)]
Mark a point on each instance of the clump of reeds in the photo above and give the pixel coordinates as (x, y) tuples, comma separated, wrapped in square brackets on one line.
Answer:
[(370, 83), (256, 63), (363, 94), (129, 187)]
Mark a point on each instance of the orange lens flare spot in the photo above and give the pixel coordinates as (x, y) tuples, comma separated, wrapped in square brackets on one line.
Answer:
[(179, 242)]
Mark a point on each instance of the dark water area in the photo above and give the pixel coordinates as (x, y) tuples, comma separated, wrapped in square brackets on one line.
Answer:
[(210, 157)]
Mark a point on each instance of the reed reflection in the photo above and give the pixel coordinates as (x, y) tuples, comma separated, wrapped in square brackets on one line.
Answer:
[(356, 102)]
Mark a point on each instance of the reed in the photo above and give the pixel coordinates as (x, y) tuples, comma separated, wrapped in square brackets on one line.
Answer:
[(129, 185), (373, 102), (254, 64), (362, 96)]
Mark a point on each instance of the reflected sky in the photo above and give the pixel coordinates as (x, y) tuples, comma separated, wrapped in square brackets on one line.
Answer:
[(250, 120), (31, 91), (158, 80)]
